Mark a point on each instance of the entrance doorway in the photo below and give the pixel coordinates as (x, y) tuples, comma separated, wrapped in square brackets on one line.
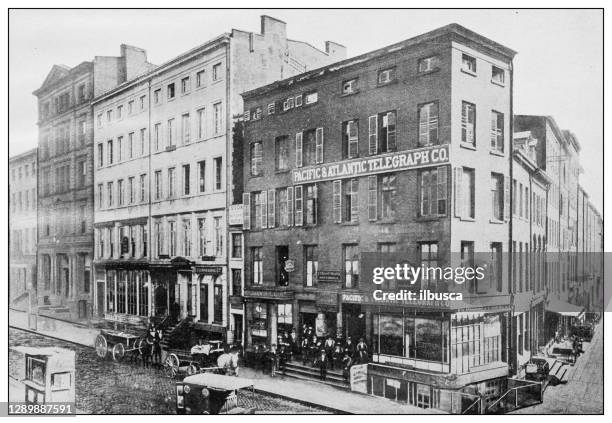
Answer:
[(100, 298), (353, 321), (161, 300)]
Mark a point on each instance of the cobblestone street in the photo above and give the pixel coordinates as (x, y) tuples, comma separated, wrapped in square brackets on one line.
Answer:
[(583, 393), (105, 386)]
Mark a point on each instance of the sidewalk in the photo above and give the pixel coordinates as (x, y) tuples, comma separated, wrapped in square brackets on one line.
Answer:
[(60, 329), (314, 393)]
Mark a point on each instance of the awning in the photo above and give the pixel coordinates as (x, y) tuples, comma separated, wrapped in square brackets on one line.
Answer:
[(564, 308)]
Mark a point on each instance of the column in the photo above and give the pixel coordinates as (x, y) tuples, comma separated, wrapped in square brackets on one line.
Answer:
[(339, 329), (272, 323)]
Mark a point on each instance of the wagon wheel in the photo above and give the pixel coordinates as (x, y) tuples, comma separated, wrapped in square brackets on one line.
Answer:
[(118, 351), (140, 345), (101, 346), (171, 364)]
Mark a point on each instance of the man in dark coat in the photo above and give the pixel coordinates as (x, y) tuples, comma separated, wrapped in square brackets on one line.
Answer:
[(321, 362), (362, 352), (349, 347), (347, 362), (329, 347)]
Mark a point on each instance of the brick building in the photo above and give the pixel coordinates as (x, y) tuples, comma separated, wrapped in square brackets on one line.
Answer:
[(65, 191), (404, 149), (22, 223), (163, 179)]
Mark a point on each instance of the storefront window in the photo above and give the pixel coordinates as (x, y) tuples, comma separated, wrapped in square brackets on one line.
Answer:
[(218, 299), (285, 318), (259, 327), (475, 343), (143, 294), (110, 291), (121, 284), (131, 294)]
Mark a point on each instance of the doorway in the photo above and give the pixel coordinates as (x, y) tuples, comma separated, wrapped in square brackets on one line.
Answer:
[(100, 298), (161, 300)]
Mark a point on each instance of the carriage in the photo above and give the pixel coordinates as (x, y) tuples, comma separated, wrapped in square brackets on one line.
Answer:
[(186, 362), (118, 343)]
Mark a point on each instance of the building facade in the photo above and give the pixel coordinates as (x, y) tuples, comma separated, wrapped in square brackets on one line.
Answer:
[(22, 223), (403, 150), (65, 191), (163, 240)]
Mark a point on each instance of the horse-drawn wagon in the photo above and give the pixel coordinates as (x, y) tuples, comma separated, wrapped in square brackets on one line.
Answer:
[(118, 343), (208, 357)]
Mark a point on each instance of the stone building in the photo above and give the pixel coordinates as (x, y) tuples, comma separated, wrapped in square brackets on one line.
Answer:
[(65, 176), (163, 178), (22, 225), (405, 151)]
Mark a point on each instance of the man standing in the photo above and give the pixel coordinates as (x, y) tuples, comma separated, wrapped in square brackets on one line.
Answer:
[(321, 363)]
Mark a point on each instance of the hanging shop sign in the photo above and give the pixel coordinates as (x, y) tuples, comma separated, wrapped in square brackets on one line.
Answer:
[(390, 162)]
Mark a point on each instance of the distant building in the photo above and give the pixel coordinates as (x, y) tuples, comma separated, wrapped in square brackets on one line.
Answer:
[(163, 180), (22, 224), (65, 191)]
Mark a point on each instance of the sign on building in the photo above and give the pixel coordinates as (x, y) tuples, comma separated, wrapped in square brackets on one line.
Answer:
[(359, 378)]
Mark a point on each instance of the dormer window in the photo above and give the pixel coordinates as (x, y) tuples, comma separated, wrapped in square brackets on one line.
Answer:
[(386, 76), (350, 86)]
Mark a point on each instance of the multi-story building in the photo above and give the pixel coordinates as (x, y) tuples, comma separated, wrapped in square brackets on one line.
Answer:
[(529, 193), (405, 149), (163, 177), (65, 191), (22, 223)]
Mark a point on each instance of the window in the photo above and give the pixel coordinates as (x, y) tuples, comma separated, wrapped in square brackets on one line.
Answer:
[(171, 182), (120, 192), (468, 123), (130, 146), (170, 91), (218, 118), (271, 108), (109, 194), (185, 85), (433, 193), (172, 237), (186, 184), (428, 123), (281, 153), (143, 188), (468, 63), (311, 204), (497, 195), (388, 196), (429, 259), (350, 254), (236, 245), (82, 176), (170, 132), (119, 112), (311, 98), (386, 76), (143, 141), (350, 200), (311, 264), (185, 128), (201, 123), (428, 64), (467, 261), (498, 75), (350, 86), (200, 78), (109, 115), (387, 139), (236, 282), (82, 132), (156, 95), (187, 237), (131, 189), (159, 237), (497, 131), (466, 193), (202, 175), (259, 209), (99, 120), (202, 238), (157, 136), (100, 196), (496, 266), (216, 72), (298, 100), (218, 231), (350, 138), (256, 158), (257, 263), (130, 107), (142, 102), (120, 147), (218, 162), (109, 152), (158, 184)]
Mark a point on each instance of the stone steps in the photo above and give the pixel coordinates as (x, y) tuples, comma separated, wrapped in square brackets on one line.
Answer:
[(304, 372)]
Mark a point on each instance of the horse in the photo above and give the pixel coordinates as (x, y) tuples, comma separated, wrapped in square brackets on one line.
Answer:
[(228, 363)]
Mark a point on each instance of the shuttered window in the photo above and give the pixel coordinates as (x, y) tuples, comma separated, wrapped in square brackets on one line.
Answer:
[(433, 191), (263, 199), (298, 149), (428, 123), (337, 201), (373, 135), (319, 146), (299, 210), (290, 206), (271, 208), (350, 138), (372, 197)]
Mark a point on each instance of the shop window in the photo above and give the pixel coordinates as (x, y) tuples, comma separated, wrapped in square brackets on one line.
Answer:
[(218, 303), (282, 255)]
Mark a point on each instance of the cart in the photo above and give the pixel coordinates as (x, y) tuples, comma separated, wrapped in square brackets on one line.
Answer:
[(118, 343), (179, 361)]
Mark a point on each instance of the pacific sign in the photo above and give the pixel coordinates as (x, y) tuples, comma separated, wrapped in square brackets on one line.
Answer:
[(390, 162)]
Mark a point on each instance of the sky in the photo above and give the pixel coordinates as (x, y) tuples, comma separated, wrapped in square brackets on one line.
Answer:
[(558, 68)]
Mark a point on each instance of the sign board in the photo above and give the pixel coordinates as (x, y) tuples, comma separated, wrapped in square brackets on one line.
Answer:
[(329, 276), (289, 265), (359, 378), (209, 270), (235, 214), (353, 298), (390, 162)]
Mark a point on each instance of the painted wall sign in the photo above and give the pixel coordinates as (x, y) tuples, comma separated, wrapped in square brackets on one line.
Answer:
[(235, 214), (391, 162), (359, 378)]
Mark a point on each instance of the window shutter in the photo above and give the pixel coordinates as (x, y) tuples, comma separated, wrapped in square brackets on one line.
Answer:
[(298, 149), (264, 208), (290, 206), (316, 203), (458, 191), (319, 144), (299, 211), (372, 197), (506, 198), (354, 200), (271, 208), (442, 188), (246, 211), (391, 131), (373, 134), (337, 201)]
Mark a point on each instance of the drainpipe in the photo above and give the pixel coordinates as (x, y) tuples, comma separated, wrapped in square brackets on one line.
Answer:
[(228, 182), (509, 355), (149, 217)]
